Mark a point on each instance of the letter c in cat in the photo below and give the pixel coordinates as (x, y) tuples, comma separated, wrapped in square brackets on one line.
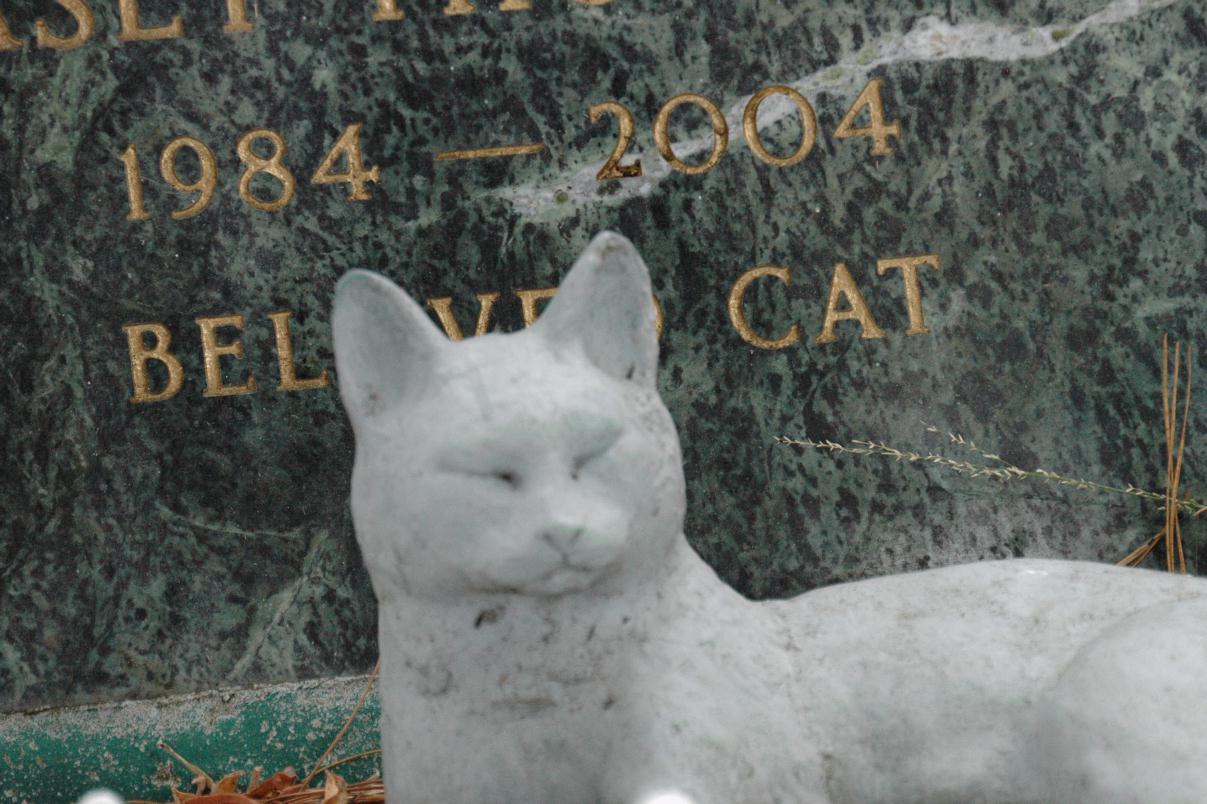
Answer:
[(737, 308)]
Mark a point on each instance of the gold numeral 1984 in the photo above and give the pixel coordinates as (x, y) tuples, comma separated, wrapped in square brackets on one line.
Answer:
[(249, 149)]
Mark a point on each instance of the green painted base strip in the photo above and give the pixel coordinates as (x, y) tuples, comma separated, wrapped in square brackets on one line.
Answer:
[(56, 755)]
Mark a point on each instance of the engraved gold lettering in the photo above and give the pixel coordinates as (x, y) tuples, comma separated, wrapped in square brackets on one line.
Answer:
[(913, 289), (7, 40), (877, 129), (348, 145), (132, 30), (529, 300), (289, 375), (206, 182), (140, 355), (84, 28), (444, 311), (612, 169), (236, 18), (138, 212), (593, 2), (737, 308), (213, 351), (808, 124), (457, 7), (272, 165), (720, 130), (843, 285), (388, 11), (491, 152)]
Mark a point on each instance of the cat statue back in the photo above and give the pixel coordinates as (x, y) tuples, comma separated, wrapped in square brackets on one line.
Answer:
[(547, 634)]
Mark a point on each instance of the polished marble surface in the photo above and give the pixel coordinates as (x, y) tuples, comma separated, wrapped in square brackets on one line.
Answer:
[(1053, 155)]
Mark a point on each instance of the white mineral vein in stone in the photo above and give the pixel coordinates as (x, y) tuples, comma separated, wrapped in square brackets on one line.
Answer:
[(931, 39)]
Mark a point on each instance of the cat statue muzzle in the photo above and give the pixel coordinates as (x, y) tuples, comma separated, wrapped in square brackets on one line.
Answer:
[(547, 635)]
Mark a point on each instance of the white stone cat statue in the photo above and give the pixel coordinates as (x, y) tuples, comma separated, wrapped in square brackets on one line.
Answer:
[(548, 636)]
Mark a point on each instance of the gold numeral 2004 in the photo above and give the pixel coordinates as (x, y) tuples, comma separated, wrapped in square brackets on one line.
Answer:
[(346, 148), (877, 129)]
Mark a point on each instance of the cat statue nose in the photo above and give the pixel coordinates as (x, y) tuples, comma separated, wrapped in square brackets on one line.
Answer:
[(562, 537)]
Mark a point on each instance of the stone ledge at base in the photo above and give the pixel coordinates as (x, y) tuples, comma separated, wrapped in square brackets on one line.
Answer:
[(56, 755)]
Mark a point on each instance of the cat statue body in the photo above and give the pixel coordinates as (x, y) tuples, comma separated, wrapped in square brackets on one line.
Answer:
[(548, 636)]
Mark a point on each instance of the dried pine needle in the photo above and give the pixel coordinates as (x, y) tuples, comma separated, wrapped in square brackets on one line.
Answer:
[(201, 777), (347, 723), (1172, 533)]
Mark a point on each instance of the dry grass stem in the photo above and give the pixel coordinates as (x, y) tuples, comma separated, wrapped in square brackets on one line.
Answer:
[(353, 758), (1001, 471), (997, 468)]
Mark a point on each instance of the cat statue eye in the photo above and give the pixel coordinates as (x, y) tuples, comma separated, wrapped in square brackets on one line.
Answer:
[(560, 642)]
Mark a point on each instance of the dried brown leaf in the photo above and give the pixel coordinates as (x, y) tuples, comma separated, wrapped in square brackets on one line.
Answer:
[(335, 790), (275, 784), (227, 784)]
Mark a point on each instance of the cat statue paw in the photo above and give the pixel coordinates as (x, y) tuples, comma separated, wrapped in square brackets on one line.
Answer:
[(548, 636)]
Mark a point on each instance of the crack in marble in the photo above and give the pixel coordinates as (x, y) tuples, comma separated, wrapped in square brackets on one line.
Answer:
[(231, 530), (279, 604), (931, 39)]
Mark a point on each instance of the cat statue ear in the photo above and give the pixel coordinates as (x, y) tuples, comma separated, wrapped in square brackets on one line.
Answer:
[(385, 345), (605, 305)]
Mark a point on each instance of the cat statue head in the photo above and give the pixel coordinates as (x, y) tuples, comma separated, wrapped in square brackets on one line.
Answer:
[(540, 463)]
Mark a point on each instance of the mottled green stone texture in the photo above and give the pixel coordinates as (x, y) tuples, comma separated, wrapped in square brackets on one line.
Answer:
[(1054, 154)]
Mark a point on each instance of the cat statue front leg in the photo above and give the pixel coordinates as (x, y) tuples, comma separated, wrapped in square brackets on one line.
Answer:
[(523, 699)]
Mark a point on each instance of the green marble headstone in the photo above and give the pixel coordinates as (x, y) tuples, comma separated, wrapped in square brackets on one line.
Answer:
[(165, 530)]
